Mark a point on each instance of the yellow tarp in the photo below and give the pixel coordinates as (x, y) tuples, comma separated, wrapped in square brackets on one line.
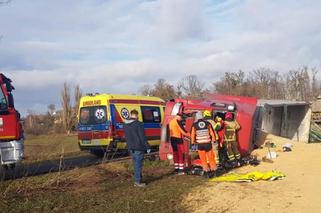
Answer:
[(249, 177)]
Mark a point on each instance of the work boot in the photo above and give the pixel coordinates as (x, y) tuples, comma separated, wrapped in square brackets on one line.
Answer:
[(241, 162), (206, 175), (213, 173), (234, 163), (140, 184)]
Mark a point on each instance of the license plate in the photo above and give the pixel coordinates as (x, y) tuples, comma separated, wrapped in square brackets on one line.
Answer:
[(86, 142), (96, 142)]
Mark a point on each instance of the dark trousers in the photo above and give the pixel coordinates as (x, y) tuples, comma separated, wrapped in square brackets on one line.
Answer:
[(222, 152), (138, 157)]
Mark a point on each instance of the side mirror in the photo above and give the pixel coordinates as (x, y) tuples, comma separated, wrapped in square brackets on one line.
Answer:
[(10, 100)]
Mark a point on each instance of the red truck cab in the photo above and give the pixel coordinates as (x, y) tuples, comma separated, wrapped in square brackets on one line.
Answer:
[(11, 132), (243, 109)]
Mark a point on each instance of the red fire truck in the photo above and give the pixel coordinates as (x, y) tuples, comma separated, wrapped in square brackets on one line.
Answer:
[(243, 109), (11, 133)]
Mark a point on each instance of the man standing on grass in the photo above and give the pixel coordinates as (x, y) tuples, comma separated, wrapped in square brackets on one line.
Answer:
[(137, 144)]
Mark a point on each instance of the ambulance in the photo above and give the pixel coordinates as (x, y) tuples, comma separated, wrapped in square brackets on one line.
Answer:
[(101, 120)]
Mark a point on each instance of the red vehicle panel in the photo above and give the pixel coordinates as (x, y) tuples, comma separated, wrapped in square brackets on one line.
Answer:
[(11, 133), (244, 109)]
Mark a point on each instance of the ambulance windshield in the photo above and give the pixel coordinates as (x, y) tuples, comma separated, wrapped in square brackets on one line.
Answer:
[(93, 115)]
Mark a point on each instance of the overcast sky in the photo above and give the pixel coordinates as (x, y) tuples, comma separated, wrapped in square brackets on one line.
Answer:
[(120, 45)]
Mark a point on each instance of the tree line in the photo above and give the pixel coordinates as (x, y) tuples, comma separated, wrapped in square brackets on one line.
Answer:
[(63, 120), (300, 84)]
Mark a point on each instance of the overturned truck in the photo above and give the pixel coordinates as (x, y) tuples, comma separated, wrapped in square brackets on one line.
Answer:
[(257, 118), (243, 108)]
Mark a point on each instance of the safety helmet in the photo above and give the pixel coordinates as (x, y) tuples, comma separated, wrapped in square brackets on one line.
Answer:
[(207, 113), (218, 119), (228, 116)]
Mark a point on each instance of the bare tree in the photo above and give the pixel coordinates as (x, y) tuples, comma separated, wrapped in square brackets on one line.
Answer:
[(266, 83), (160, 89), (231, 84), (315, 91), (146, 90), (78, 95), (299, 84), (66, 108), (191, 87), (164, 90)]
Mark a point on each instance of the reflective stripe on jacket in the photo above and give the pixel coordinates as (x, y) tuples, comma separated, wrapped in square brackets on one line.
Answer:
[(202, 132)]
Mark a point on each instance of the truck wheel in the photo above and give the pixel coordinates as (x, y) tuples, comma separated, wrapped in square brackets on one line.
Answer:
[(12, 166), (5, 166)]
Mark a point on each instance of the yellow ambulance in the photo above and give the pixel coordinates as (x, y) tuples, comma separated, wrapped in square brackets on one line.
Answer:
[(101, 120)]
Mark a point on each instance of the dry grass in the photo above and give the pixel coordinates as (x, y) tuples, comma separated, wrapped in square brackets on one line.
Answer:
[(48, 147), (100, 188)]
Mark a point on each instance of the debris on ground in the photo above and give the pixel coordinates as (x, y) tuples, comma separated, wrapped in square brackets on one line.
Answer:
[(270, 144), (271, 155), (287, 147), (266, 160), (249, 177)]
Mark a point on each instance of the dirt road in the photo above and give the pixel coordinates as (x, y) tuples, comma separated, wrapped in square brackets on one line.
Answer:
[(300, 191)]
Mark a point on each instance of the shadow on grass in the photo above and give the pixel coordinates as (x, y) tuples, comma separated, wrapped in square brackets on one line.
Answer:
[(48, 166)]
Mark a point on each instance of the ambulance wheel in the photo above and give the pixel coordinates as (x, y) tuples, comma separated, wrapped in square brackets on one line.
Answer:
[(97, 152), (151, 157)]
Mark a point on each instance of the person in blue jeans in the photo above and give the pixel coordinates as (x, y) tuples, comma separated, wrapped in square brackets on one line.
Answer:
[(137, 145)]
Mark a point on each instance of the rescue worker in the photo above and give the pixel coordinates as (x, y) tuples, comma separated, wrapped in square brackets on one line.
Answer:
[(216, 126), (177, 132), (202, 134), (230, 139), (220, 128)]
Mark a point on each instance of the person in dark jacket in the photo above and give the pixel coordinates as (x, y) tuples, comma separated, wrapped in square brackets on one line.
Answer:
[(137, 145)]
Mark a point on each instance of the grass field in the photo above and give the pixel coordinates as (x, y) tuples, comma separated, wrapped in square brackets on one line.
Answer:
[(48, 147), (105, 187), (100, 188)]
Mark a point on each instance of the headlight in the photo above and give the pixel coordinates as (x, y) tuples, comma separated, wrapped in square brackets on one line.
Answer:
[(169, 157), (231, 108)]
